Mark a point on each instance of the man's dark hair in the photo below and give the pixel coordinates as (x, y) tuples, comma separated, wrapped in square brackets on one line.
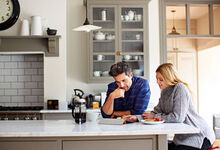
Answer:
[(119, 68)]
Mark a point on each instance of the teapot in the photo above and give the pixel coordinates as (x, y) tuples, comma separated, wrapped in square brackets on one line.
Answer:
[(100, 36), (131, 14)]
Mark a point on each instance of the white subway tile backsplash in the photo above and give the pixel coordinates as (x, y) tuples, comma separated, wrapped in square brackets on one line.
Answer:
[(5, 71), (17, 72), (18, 99), (11, 65), (21, 80), (24, 92), (5, 58), (24, 65), (5, 85), (31, 99), (9, 92), (24, 78), (37, 92), (37, 65), (37, 78), (17, 85), (6, 99), (11, 78), (31, 85), (30, 58), (30, 71), (2, 92), (17, 58)]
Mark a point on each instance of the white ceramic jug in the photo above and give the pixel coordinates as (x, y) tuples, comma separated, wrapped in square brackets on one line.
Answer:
[(131, 15), (25, 30), (36, 25)]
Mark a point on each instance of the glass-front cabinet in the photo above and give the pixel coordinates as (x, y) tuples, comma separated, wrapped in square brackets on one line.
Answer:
[(123, 37)]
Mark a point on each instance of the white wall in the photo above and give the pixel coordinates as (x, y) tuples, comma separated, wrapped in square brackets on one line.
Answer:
[(55, 67), (77, 64), (209, 81)]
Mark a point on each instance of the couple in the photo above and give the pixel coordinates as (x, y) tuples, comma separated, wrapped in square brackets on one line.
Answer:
[(129, 95)]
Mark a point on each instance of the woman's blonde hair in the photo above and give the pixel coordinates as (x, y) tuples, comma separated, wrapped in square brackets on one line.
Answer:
[(170, 75)]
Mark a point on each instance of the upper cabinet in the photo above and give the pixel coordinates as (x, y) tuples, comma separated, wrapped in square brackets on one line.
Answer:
[(123, 37)]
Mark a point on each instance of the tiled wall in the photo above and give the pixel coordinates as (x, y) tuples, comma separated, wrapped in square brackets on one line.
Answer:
[(21, 80)]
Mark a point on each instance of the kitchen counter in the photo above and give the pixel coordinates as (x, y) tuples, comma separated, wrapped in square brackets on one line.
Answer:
[(65, 135), (66, 111)]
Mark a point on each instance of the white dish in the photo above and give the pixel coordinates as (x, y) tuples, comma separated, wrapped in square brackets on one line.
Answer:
[(152, 122)]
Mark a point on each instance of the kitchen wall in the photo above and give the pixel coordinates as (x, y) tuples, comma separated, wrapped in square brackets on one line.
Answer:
[(68, 71), (54, 67)]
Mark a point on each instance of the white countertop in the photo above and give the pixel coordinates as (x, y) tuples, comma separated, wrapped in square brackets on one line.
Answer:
[(66, 111), (68, 128)]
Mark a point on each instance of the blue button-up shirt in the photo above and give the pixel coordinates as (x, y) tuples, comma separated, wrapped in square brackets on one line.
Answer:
[(136, 99)]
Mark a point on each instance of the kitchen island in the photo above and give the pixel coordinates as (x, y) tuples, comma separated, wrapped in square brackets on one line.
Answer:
[(66, 135)]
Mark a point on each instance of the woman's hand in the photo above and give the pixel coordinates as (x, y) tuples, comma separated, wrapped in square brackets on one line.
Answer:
[(131, 118), (148, 115)]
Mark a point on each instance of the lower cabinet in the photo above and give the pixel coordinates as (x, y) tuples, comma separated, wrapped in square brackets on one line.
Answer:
[(28, 145), (122, 144)]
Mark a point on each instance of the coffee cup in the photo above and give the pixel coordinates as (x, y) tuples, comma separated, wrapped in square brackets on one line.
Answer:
[(138, 36), (92, 116), (135, 57), (97, 73), (127, 57), (126, 17), (100, 57), (139, 17)]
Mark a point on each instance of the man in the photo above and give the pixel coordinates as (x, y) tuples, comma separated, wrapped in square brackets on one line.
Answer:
[(128, 95)]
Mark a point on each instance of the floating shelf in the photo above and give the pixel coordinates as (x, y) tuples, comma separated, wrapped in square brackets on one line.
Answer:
[(47, 44)]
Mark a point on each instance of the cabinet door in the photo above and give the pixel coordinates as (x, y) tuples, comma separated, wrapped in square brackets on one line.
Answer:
[(103, 42), (132, 37)]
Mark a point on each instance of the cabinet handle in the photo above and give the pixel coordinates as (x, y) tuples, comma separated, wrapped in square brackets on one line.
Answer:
[(119, 53)]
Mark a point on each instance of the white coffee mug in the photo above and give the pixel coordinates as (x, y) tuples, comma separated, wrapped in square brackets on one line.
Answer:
[(100, 57), (97, 73), (92, 116)]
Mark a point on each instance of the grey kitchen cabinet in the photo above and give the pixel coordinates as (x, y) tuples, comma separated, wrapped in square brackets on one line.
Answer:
[(28, 145), (124, 36)]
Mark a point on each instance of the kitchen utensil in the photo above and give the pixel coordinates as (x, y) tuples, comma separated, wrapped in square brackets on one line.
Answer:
[(79, 111), (51, 31), (36, 25)]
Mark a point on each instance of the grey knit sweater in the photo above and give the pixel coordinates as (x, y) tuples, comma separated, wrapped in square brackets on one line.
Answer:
[(175, 105)]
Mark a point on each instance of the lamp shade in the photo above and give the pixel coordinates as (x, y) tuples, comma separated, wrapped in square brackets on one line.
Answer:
[(87, 27)]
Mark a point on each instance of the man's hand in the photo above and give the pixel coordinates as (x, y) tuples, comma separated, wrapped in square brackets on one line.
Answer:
[(148, 115), (131, 118), (118, 93)]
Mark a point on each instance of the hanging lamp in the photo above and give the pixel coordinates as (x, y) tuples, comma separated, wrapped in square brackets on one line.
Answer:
[(87, 27), (173, 32)]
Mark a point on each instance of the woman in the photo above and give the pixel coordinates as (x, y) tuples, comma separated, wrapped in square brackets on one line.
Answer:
[(175, 105)]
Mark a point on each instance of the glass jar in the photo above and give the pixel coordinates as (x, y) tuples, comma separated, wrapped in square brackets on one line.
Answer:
[(79, 111)]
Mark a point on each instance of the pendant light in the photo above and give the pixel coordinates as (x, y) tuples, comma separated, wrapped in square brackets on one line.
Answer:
[(174, 32), (87, 27)]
